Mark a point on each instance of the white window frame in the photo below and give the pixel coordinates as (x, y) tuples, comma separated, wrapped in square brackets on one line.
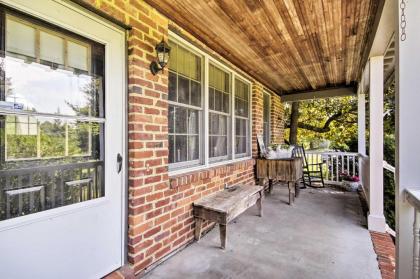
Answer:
[(192, 163), (230, 115), (204, 161), (249, 149), (266, 93)]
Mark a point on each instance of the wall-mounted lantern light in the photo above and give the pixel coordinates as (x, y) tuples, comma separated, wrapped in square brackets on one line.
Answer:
[(162, 53)]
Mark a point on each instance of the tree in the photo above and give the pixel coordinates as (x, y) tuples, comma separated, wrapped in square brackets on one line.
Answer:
[(331, 120), (294, 123)]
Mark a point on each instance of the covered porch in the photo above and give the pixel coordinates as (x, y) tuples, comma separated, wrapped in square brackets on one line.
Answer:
[(323, 235), (300, 57), (183, 124)]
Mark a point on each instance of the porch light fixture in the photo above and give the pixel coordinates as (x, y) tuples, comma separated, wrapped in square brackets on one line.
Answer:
[(162, 53)]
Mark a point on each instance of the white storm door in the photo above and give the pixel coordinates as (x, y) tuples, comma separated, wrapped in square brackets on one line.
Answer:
[(62, 123)]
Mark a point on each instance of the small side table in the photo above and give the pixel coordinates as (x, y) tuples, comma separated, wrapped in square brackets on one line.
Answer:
[(287, 170)]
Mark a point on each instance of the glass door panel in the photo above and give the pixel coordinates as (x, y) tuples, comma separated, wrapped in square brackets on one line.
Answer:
[(51, 118)]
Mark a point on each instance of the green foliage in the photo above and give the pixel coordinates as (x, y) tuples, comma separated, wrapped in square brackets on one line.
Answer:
[(389, 155), (53, 138), (19, 146), (323, 121), (389, 180)]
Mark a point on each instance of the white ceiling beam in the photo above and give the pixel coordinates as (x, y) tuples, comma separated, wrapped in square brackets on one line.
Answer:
[(319, 94), (385, 30)]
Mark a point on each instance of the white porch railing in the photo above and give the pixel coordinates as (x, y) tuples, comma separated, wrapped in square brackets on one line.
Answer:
[(413, 198), (364, 164), (335, 163)]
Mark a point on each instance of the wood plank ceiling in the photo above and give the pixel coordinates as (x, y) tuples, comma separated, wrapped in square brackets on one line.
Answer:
[(288, 45)]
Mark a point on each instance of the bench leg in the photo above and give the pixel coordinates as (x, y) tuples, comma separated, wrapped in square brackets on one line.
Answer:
[(198, 225), (259, 204), (291, 194), (223, 236), (270, 185), (297, 189)]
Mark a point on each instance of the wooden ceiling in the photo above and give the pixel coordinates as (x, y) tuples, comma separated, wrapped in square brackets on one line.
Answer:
[(288, 45)]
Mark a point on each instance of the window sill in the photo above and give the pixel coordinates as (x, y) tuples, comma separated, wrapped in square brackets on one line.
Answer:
[(184, 171)]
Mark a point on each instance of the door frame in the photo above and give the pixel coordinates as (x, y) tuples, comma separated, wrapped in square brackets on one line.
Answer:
[(60, 211)]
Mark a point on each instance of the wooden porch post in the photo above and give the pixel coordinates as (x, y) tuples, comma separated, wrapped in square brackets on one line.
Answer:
[(407, 131), (376, 219)]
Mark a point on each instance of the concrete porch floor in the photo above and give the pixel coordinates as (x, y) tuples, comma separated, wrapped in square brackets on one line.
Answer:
[(321, 236)]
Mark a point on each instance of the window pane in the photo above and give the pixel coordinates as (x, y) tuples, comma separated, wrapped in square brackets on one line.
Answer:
[(181, 120), (218, 124), (197, 68), (193, 122), (187, 64), (193, 148), (195, 94), (53, 138), (21, 137), (218, 135), (241, 145), (218, 100), (171, 119), (218, 146), (241, 98), (172, 64), (43, 178), (226, 103), (35, 87), (77, 56), (181, 148), (211, 98), (172, 87), (219, 89), (183, 90), (20, 37), (184, 138), (79, 137), (242, 134), (51, 48), (171, 149)]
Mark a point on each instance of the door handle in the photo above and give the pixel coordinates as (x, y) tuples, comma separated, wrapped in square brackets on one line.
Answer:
[(119, 162)]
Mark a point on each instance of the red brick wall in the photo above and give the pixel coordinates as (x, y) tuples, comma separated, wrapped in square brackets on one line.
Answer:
[(160, 207), (385, 251), (257, 115), (168, 222)]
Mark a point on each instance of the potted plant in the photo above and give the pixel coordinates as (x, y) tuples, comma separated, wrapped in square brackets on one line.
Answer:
[(350, 182)]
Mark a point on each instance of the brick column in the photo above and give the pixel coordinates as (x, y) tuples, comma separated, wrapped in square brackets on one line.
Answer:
[(148, 140), (277, 119), (257, 115)]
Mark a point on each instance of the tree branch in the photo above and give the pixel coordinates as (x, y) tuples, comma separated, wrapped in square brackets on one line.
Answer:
[(326, 128)]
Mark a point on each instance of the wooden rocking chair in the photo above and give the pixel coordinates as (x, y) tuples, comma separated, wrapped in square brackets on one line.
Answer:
[(311, 172)]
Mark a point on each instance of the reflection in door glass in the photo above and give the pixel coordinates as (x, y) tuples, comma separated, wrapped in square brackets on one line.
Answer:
[(51, 118)]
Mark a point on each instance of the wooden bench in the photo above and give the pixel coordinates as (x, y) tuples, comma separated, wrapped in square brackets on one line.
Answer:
[(224, 206)]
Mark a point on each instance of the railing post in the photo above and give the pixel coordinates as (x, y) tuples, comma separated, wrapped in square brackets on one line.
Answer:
[(416, 246)]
